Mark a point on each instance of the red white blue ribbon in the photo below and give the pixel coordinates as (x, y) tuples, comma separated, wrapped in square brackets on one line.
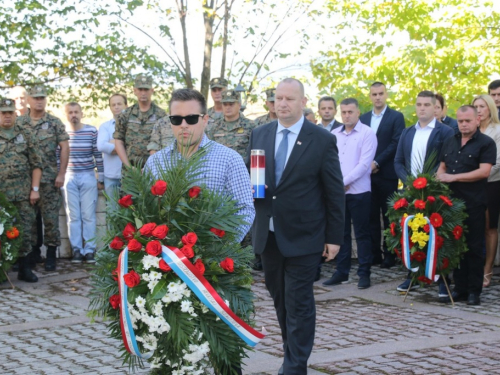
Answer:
[(431, 261)]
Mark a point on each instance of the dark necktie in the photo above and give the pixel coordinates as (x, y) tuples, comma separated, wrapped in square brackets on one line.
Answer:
[(280, 158)]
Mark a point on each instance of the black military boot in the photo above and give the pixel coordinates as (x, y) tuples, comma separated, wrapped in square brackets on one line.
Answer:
[(50, 261), (25, 273)]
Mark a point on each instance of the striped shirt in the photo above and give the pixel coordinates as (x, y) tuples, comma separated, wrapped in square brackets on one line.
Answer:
[(84, 156)]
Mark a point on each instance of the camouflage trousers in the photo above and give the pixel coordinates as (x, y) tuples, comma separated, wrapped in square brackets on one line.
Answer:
[(49, 205), (27, 215)]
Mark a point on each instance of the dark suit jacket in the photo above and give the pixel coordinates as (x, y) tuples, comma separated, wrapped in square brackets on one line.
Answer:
[(452, 123), (402, 162), (388, 133), (307, 206)]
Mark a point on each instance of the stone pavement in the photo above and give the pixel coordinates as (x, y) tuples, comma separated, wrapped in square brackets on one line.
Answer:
[(44, 329)]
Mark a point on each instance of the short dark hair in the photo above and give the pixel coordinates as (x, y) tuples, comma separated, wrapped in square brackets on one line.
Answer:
[(494, 85), (118, 94), (327, 99), (465, 108), (427, 94), (72, 104), (377, 84), (440, 99), (348, 101), (186, 95)]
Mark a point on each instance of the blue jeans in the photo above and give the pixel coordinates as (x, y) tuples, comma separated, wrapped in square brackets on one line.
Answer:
[(80, 201), (112, 189), (357, 209)]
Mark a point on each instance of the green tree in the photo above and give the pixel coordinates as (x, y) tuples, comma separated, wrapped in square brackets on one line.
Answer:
[(448, 46)]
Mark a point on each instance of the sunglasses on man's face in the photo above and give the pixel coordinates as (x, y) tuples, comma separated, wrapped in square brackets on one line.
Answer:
[(190, 119)]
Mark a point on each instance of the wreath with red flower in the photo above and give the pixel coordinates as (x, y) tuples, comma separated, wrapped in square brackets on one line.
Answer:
[(177, 211), (425, 197), (10, 238)]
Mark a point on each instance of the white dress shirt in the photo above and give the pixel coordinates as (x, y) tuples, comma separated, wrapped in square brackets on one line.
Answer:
[(376, 119), (419, 146)]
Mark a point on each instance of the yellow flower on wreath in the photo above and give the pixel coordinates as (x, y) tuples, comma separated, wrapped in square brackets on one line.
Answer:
[(417, 222), (420, 237)]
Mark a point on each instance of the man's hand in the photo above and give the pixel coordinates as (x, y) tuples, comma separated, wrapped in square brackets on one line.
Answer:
[(34, 197), (346, 188), (100, 185), (330, 251), (59, 180), (375, 168), (446, 177)]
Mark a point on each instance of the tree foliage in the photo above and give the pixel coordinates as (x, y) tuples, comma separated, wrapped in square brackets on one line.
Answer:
[(447, 46)]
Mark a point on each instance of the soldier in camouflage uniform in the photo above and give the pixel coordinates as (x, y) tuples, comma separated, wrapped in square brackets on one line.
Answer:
[(161, 136), (134, 126), (217, 85), (234, 129), (271, 115), (20, 173), (50, 133)]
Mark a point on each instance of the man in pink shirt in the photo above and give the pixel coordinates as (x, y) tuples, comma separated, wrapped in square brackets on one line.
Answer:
[(357, 144)]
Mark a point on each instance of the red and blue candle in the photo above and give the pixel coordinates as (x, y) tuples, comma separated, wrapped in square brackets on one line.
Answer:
[(258, 173)]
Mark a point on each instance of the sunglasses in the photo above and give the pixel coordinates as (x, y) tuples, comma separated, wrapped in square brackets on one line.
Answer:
[(190, 119)]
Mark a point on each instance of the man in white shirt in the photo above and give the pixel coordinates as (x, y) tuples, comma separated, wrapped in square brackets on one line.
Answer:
[(106, 144)]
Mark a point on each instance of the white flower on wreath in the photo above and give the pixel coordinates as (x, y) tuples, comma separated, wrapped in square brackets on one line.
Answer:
[(1, 229), (197, 352), (149, 261)]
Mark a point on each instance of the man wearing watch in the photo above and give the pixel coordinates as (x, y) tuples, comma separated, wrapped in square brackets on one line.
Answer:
[(20, 174)]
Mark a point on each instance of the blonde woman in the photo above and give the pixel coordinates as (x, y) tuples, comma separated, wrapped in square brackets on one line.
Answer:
[(490, 125)]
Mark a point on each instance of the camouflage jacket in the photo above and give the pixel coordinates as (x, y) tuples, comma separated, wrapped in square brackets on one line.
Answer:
[(262, 120), (162, 135), (134, 128), (235, 135), (49, 131), (19, 155), (213, 117)]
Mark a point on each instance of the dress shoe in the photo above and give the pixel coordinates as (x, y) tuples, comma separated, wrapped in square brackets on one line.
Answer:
[(281, 371), (403, 287), (257, 265), (473, 300), (364, 282), (457, 297), (388, 263), (336, 279)]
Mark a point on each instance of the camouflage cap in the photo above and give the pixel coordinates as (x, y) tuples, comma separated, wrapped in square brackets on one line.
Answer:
[(230, 96), (270, 95), (143, 82), (37, 91), (218, 82), (7, 105)]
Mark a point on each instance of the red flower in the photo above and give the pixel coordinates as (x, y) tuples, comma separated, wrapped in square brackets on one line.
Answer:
[(147, 229), (132, 279), (439, 242), (419, 256), (445, 264), (194, 192), (164, 266), (189, 239), (427, 228), (117, 243), (419, 204), (134, 245), (125, 201), (218, 232), (398, 253), (159, 188), (436, 220), (114, 274), (393, 229), (129, 231), (160, 231), (227, 264), (187, 251), (457, 232), (400, 203), (12, 233), (446, 200), (114, 301), (153, 248), (200, 267), (424, 279), (431, 199), (420, 183)]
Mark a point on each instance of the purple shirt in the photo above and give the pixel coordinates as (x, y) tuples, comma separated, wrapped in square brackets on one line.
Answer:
[(356, 153)]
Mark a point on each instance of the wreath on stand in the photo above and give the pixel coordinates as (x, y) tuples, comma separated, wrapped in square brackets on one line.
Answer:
[(172, 279), (426, 229), (10, 239)]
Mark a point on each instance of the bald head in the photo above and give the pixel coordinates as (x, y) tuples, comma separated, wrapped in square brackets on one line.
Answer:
[(290, 101)]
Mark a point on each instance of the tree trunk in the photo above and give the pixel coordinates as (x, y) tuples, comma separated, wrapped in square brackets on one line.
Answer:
[(227, 12), (208, 17), (182, 8)]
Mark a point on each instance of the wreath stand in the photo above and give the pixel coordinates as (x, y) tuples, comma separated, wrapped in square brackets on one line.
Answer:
[(445, 283)]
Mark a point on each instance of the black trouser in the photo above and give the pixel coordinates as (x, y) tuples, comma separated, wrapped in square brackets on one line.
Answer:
[(382, 190), (469, 276)]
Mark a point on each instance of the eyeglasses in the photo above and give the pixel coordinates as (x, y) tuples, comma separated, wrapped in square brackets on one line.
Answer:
[(190, 119)]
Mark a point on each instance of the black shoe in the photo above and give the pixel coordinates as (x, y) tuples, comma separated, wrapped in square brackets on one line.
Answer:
[(405, 285), (318, 274), (388, 263), (336, 279), (50, 262), (457, 297), (89, 258), (77, 257), (364, 282), (25, 273), (257, 265), (473, 300), (376, 260)]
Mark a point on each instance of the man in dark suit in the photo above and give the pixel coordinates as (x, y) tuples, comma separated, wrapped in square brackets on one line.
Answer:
[(418, 151), (388, 125), (494, 92), (441, 112), (327, 109), (300, 218)]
